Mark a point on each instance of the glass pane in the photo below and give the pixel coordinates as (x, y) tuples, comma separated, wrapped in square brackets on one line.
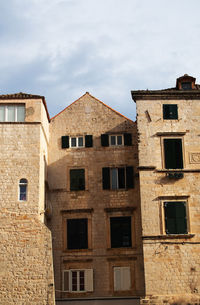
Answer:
[(119, 140), (114, 174), (74, 280), (2, 113), (113, 140), (20, 113), (82, 281), (73, 142), (22, 194), (80, 141), (11, 113)]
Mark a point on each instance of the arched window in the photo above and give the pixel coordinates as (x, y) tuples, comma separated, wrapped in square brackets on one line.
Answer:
[(23, 183)]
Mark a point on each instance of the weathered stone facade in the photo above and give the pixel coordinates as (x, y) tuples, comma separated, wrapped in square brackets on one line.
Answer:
[(171, 261)]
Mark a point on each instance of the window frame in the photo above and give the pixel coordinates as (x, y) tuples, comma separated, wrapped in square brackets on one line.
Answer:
[(25, 183), (85, 237), (76, 137), (16, 107), (163, 151), (131, 233), (87, 273), (121, 269), (164, 112), (116, 135), (70, 185), (110, 178), (163, 222)]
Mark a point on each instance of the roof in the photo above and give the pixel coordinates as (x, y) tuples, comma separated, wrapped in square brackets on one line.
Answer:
[(87, 93), (170, 93), (22, 95)]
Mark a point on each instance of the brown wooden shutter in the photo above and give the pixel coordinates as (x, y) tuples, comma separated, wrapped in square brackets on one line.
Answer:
[(104, 140)]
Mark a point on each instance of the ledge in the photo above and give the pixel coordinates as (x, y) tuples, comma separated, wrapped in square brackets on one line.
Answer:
[(146, 168), (172, 133), (119, 209), (183, 170), (171, 197), (169, 236), (77, 211), (20, 123)]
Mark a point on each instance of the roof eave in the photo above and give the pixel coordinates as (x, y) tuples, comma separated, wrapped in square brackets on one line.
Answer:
[(156, 95)]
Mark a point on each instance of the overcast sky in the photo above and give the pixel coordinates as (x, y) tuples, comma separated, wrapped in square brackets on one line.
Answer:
[(63, 48)]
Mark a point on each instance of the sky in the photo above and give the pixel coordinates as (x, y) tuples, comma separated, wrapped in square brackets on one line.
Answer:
[(62, 48)]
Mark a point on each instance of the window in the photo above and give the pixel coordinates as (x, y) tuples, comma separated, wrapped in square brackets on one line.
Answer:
[(120, 231), (78, 280), (12, 113), (116, 140), (23, 189), (173, 155), (77, 233), (170, 112), (77, 179), (117, 178), (186, 85), (122, 278), (175, 217), (77, 141)]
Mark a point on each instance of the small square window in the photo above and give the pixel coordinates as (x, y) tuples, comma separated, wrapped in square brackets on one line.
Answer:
[(186, 85), (175, 217), (120, 231), (77, 179), (170, 112)]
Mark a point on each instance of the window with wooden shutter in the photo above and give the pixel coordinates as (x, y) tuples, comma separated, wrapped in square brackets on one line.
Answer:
[(175, 217), (118, 178), (77, 233), (104, 140), (122, 278), (78, 280), (170, 112), (65, 141), (120, 232), (173, 153), (106, 178), (77, 179), (88, 141)]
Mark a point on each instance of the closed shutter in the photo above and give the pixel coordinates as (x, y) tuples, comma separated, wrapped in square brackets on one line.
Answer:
[(88, 141), (170, 112), (65, 280), (173, 153), (104, 140), (65, 141), (175, 217), (106, 178), (77, 179), (89, 280), (122, 278), (129, 177), (128, 139)]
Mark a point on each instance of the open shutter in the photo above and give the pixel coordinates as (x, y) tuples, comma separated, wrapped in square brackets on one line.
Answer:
[(65, 280), (106, 178), (104, 140), (117, 278), (89, 280), (88, 141), (65, 141), (125, 278), (181, 219), (128, 139), (129, 177)]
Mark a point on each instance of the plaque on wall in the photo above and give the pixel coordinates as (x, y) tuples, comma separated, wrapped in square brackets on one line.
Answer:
[(194, 157)]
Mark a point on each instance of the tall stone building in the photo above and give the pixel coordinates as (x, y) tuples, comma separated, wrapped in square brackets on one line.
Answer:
[(121, 200), (169, 167)]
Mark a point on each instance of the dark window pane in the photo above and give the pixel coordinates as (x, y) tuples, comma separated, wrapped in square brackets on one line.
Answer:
[(186, 85), (82, 281), (80, 141), (121, 177), (113, 140), (22, 195), (106, 178), (104, 140), (170, 112), (73, 142), (119, 140), (77, 179), (120, 228), (173, 153), (114, 178), (77, 233), (175, 217), (74, 280)]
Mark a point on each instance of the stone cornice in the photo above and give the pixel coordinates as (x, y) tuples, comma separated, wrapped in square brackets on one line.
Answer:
[(165, 95)]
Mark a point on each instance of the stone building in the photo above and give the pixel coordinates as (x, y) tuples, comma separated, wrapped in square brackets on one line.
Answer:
[(121, 200), (169, 169)]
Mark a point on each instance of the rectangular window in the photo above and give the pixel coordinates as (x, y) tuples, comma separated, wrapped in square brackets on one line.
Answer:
[(78, 280), (77, 142), (116, 140), (77, 179), (117, 178), (120, 231), (175, 217), (173, 155), (77, 233), (122, 278), (12, 113), (170, 112), (186, 85)]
